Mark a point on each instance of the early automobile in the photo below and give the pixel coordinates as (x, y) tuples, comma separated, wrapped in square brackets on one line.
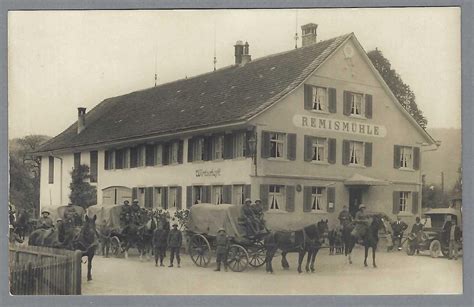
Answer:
[(435, 235)]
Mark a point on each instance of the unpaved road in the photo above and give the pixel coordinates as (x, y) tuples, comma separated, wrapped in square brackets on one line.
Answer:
[(397, 273)]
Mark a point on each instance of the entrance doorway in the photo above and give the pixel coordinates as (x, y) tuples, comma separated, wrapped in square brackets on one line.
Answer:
[(355, 199)]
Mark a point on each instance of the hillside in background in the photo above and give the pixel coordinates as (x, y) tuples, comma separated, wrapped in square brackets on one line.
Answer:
[(446, 159)]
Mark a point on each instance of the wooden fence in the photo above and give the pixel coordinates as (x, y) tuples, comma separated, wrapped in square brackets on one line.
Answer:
[(44, 271)]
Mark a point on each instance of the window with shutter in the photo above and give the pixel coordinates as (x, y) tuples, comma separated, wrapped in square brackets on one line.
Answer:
[(172, 197), (318, 202), (218, 147), (158, 154), (276, 197), (278, 145), (228, 146), (157, 198)]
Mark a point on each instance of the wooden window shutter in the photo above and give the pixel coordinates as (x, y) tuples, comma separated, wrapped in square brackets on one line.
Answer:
[(179, 195), (248, 135), (180, 151), (247, 190), (149, 197), (207, 197), (308, 97), (290, 198), (134, 193), (331, 198), (51, 169), (189, 196), (346, 152), (416, 158), (228, 146), (106, 159), (190, 149), (396, 156), (414, 202), (332, 151), (396, 202), (265, 144), (227, 194), (368, 154), (264, 190), (291, 153), (332, 100), (308, 148), (208, 148), (347, 103), (368, 106), (149, 155), (164, 197), (166, 153), (307, 193)]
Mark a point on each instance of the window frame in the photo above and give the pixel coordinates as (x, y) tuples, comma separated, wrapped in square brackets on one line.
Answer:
[(279, 197), (354, 105), (217, 196), (404, 202), (174, 153), (239, 148), (315, 196), (316, 145), (200, 189), (283, 142), (198, 149), (218, 143), (403, 158), (172, 195), (361, 157), (323, 106)]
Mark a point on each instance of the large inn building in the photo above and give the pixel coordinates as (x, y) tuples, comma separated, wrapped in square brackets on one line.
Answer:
[(307, 131)]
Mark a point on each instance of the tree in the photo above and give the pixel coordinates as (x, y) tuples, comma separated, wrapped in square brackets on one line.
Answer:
[(434, 197), (25, 170), (402, 91), (82, 193)]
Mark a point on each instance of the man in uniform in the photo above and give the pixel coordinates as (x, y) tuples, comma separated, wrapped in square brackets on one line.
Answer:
[(160, 237), (344, 217), (250, 220), (136, 212), (362, 222), (222, 243), (398, 228), (257, 209), (175, 239), (45, 221), (416, 229)]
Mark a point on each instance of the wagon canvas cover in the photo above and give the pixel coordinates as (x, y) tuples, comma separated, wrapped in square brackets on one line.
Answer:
[(108, 215), (208, 218)]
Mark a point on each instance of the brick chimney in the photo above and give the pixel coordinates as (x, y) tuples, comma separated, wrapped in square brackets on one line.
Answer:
[(309, 34), (242, 55), (81, 119)]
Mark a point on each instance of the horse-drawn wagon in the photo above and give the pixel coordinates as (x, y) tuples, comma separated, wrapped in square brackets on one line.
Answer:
[(204, 222)]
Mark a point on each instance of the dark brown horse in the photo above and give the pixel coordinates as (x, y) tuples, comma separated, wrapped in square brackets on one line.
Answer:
[(370, 238), (305, 241), (82, 238)]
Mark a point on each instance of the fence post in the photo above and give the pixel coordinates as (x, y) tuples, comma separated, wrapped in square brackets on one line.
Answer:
[(78, 272)]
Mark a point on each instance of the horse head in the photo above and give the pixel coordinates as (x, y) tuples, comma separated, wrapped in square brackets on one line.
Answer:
[(323, 227), (378, 222), (88, 234)]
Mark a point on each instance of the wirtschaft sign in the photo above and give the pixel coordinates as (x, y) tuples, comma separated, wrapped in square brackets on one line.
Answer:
[(336, 125)]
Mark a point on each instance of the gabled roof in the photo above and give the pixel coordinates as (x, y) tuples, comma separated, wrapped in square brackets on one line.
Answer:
[(229, 95)]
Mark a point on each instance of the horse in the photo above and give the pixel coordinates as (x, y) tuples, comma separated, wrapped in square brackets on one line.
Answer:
[(369, 240), (336, 245), (82, 238), (307, 240), (22, 224), (145, 237)]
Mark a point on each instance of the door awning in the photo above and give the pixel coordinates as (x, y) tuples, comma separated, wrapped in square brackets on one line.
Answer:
[(359, 180)]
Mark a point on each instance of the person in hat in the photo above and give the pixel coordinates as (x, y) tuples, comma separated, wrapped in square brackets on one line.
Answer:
[(361, 221), (45, 221), (175, 239), (222, 243), (398, 228), (344, 217), (136, 212), (160, 238), (249, 217), (125, 213)]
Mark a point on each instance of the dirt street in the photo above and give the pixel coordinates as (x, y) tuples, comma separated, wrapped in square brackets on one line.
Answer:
[(397, 273)]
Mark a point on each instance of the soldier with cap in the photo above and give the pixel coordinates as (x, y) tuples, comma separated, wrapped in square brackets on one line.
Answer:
[(344, 217), (136, 212), (45, 221), (222, 243), (398, 228), (175, 239), (361, 223), (249, 217)]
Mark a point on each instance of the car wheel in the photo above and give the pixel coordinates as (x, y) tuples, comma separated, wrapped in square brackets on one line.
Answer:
[(435, 248)]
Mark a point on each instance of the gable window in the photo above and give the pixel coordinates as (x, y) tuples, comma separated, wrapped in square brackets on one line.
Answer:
[(276, 198), (356, 150), (406, 154), (239, 145), (319, 100), (356, 104), (277, 145), (404, 202), (198, 149), (217, 195), (51, 170), (93, 166), (218, 147), (319, 149), (238, 194), (317, 198)]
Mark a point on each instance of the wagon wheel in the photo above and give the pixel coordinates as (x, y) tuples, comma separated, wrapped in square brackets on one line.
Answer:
[(200, 250), (435, 248), (257, 254), (238, 258), (115, 245)]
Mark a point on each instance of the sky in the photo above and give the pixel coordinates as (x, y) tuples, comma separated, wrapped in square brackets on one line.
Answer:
[(61, 60)]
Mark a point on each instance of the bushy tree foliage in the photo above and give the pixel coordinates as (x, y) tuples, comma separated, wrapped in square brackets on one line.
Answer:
[(402, 91), (82, 192)]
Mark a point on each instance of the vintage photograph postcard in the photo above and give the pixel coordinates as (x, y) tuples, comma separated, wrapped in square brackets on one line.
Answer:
[(235, 152)]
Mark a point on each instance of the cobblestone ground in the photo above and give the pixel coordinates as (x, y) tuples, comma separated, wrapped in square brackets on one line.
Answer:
[(397, 273)]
